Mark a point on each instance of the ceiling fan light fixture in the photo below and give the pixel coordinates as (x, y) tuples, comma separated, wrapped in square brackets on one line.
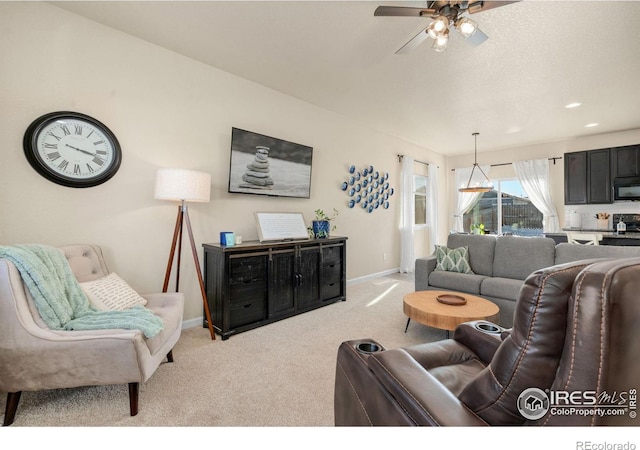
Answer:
[(443, 15), (475, 7), (466, 27), (439, 25), (440, 43)]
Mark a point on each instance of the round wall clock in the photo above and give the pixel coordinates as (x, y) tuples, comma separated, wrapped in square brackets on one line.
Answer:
[(72, 149)]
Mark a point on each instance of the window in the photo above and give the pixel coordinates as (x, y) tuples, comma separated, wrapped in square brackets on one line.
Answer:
[(505, 210), (420, 199)]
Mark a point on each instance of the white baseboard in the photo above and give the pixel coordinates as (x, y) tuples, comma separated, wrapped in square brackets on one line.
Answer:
[(197, 322), (373, 276)]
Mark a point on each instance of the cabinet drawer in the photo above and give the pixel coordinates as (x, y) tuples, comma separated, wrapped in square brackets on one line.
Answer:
[(330, 289), (246, 313), (332, 254), (244, 270), (247, 279), (331, 272), (331, 280), (243, 293)]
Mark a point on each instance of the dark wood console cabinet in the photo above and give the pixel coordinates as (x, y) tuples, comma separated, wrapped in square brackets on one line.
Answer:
[(252, 284)]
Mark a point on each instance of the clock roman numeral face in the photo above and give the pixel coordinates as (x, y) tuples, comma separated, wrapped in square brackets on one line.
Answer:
[(74, 148)]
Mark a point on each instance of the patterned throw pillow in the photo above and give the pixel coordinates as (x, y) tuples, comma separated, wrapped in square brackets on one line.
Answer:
[(111, 293), (453, 259)]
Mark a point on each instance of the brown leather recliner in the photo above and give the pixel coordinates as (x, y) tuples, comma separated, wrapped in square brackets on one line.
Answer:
[(570, 359)]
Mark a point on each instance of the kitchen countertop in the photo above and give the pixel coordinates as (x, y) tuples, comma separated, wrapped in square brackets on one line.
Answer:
[(609, 233)]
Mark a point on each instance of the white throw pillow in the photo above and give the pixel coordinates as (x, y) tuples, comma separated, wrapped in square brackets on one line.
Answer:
[(111, 293)]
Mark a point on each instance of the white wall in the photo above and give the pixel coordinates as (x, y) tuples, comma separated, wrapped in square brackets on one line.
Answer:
[(546, 150), (167, 111)]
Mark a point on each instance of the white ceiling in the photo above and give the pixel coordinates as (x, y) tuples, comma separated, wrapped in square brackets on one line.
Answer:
[(540, 56)]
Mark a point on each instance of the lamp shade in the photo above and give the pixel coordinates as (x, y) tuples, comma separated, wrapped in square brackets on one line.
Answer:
[(183, 184)]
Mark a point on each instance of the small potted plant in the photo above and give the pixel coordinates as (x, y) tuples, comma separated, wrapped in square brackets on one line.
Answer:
[(477, 228), (321, 223)]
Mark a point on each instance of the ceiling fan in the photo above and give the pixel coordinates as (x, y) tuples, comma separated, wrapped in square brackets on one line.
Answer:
[(443, 15)]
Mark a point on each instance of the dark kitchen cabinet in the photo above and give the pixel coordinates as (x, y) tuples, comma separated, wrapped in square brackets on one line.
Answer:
[(599, 187), (575, 178), (587, 177), (626, 161), (612, 240), (253, 284)]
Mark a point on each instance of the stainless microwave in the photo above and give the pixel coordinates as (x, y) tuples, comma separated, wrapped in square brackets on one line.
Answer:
[(626, 188)]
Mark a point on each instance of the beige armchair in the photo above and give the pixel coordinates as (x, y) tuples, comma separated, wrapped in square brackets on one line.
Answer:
[(34, 357)]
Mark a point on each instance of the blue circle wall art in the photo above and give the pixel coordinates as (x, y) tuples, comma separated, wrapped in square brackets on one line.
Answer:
[(364, 181)]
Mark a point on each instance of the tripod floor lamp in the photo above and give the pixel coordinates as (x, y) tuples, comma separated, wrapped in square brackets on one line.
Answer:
[(184, 186)]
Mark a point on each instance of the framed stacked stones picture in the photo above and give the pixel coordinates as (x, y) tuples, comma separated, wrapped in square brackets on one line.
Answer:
[(265, 165)]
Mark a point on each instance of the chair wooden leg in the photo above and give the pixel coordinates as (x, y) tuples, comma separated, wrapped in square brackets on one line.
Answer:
[(134, 389), (170, 356), (13, 398)]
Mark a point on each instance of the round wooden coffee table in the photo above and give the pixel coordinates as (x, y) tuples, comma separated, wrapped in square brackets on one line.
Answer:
[(423, 307)]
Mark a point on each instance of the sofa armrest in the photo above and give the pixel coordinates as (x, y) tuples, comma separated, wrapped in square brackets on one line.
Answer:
[(424, 267), (419, 394), (482, 343)]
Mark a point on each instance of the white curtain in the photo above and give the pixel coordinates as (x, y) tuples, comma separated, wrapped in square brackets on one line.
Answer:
[(534, 178), (432, 207), (466, 200), (407, 217)]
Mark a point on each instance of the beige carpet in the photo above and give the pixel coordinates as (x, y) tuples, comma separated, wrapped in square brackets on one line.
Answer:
[(278, 375), (271, 379)]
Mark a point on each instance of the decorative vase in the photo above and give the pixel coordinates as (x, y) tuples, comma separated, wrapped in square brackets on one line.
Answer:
[(320, 229)]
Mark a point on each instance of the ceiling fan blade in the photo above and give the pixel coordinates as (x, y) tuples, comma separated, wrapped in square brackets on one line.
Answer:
[(403, 11), (477, 38), (413, 43), (479, 6)]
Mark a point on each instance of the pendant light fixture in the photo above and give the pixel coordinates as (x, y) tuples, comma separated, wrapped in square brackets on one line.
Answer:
[(477, 187)]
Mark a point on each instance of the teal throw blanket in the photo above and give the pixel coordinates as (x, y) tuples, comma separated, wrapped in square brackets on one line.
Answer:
[(59, 298)]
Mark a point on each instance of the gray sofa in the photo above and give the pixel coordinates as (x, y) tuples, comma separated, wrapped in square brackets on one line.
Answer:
[(500, 265)]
